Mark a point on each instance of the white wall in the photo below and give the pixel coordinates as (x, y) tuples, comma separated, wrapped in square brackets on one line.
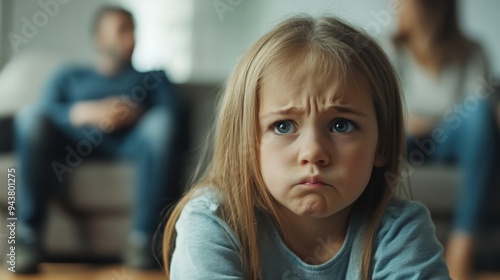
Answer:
[(218, 31), (479, 19), (62, 28), (221, 36), (3, 8), (164, 36)]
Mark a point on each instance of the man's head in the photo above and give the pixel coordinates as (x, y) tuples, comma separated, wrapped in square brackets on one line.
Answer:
[(113, 32)]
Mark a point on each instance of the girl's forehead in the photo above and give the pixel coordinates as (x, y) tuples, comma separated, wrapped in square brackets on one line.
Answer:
[(326, 87), (302, 93)]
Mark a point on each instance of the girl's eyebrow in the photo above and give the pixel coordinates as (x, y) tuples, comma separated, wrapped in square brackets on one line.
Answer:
[(348, 110), (283, 111), (295, 111)]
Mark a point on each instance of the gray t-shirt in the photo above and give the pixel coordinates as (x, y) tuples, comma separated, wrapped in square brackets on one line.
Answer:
[(405, 247)]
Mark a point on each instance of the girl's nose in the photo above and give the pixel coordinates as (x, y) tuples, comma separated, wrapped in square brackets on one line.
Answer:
[(313, 149)]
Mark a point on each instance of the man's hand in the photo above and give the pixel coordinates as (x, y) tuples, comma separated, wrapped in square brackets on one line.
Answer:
[(109, 114)]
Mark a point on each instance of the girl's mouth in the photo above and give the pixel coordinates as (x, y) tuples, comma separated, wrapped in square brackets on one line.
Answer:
[(313, 182)]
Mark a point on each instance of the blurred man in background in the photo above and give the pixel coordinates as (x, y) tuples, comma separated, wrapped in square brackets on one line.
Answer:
[(109, 110)]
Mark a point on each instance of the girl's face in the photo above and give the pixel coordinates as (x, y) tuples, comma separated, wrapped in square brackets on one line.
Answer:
[(318, 143)]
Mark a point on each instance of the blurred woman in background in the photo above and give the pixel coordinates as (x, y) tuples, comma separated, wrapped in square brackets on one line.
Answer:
[(450, 118)]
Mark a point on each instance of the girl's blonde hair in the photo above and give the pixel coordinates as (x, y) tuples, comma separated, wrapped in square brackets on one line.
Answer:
[(333, 50)]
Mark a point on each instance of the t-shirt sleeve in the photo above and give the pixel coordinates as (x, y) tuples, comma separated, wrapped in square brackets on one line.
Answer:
[(407, 247), (205, 247)]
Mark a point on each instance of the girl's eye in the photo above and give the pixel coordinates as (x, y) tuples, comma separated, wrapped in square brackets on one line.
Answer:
[(284, 127), (343, 126)]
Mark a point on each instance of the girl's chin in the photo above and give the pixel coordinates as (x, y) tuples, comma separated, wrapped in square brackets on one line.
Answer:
[(312, 207)]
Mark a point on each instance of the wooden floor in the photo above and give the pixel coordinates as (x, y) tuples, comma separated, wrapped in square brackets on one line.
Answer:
[(98, 272), (85, 272)]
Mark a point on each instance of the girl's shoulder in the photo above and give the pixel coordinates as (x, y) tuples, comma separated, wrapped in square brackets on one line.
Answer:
[(206, 199), (202, 215), (403, 216), (402, 209), (205, 246), (203, 211), (406, 239)]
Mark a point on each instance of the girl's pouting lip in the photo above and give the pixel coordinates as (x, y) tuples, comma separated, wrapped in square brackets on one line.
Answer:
[(314, 183)]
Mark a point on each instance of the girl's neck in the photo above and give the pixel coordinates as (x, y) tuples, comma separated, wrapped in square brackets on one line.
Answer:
[(315, 240)]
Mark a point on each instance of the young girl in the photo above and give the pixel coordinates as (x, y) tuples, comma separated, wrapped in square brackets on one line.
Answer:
[(300, 184)]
